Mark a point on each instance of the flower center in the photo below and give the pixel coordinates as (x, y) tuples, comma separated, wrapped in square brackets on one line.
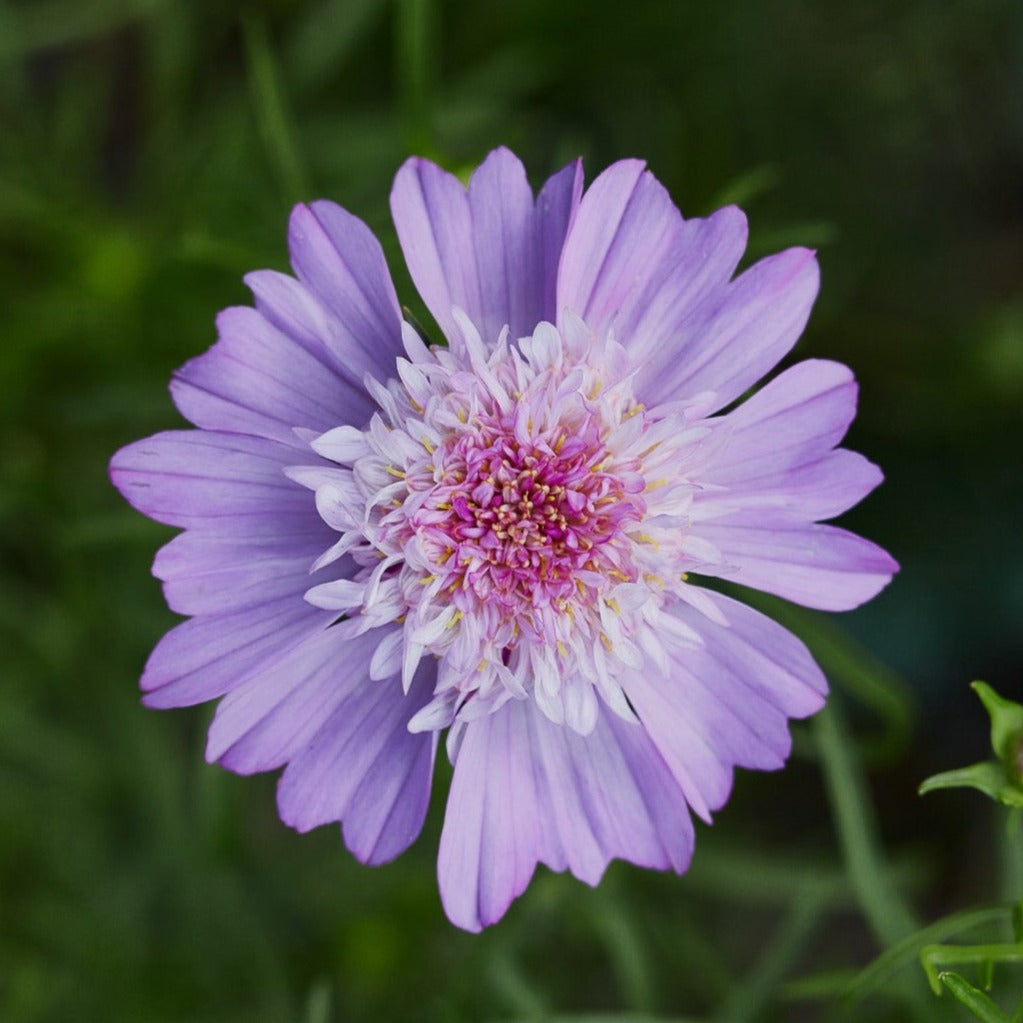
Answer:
[(526, 522)]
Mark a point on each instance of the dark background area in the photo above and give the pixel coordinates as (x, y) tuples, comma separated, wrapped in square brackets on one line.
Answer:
[(149, 153)]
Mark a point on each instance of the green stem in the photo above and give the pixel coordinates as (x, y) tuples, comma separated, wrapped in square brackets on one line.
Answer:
[(976, 1001), (879, 973), (748, 998), (274, 124), (414, 39), (1012, 857), (888, 916), (934, 957)]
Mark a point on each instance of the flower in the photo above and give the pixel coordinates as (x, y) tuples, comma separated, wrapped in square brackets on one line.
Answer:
[(503, 536)]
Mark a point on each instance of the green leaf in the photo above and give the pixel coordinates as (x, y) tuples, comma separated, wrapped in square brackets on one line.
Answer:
[(1006, 728), (988, 777), (879, 973), (974, 999)]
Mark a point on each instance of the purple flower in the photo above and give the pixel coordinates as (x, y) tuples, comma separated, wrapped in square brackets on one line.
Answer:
[(503, 537)]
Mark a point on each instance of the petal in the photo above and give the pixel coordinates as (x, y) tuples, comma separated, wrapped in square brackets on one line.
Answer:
[(816, 565), (726, 703), (556, 207), (506, 246), (800, 414), (290, 307), (208, 656), (736, 335), (339, 260), (777, 464), (488, 250), (259, 380), (810, 492), (205, 574), (363, 766), (526, 791), (263, 723), (625, 228), (699, 262), (431, 214), (200, 478)]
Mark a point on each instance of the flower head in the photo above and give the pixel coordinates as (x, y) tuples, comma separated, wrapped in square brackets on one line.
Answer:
[(503, 536)]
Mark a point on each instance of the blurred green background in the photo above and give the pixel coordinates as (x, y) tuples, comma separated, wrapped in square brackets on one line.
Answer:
[(149, 153)]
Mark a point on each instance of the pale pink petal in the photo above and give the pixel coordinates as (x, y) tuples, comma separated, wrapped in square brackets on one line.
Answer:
[(209, 574), (364, 767), (526, 791), (258, 380), (337, 257), (624, 227), (778, 462), (431, 215), (735, 336), (699, 263), (506, 247), (210, 655), (263, 723), (816, 565), (487, 249), (726, 703), (195, 478)]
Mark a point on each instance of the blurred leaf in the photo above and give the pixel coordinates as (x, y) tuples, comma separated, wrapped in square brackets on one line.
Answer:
[(602, 1017), (1006, 727), (746, 188), (326, 35), (271, 110), (976, 1001), (44, 24), (1002, 780), (875, 976), (934, 957), (988, 777)]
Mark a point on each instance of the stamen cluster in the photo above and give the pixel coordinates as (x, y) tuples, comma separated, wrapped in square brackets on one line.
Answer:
[(527, 523)]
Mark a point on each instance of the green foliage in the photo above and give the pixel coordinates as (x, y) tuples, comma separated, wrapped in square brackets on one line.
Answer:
[(1001, 779)]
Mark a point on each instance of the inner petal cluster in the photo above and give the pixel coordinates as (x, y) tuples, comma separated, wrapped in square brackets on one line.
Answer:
[(514, 512), (533, 522)]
